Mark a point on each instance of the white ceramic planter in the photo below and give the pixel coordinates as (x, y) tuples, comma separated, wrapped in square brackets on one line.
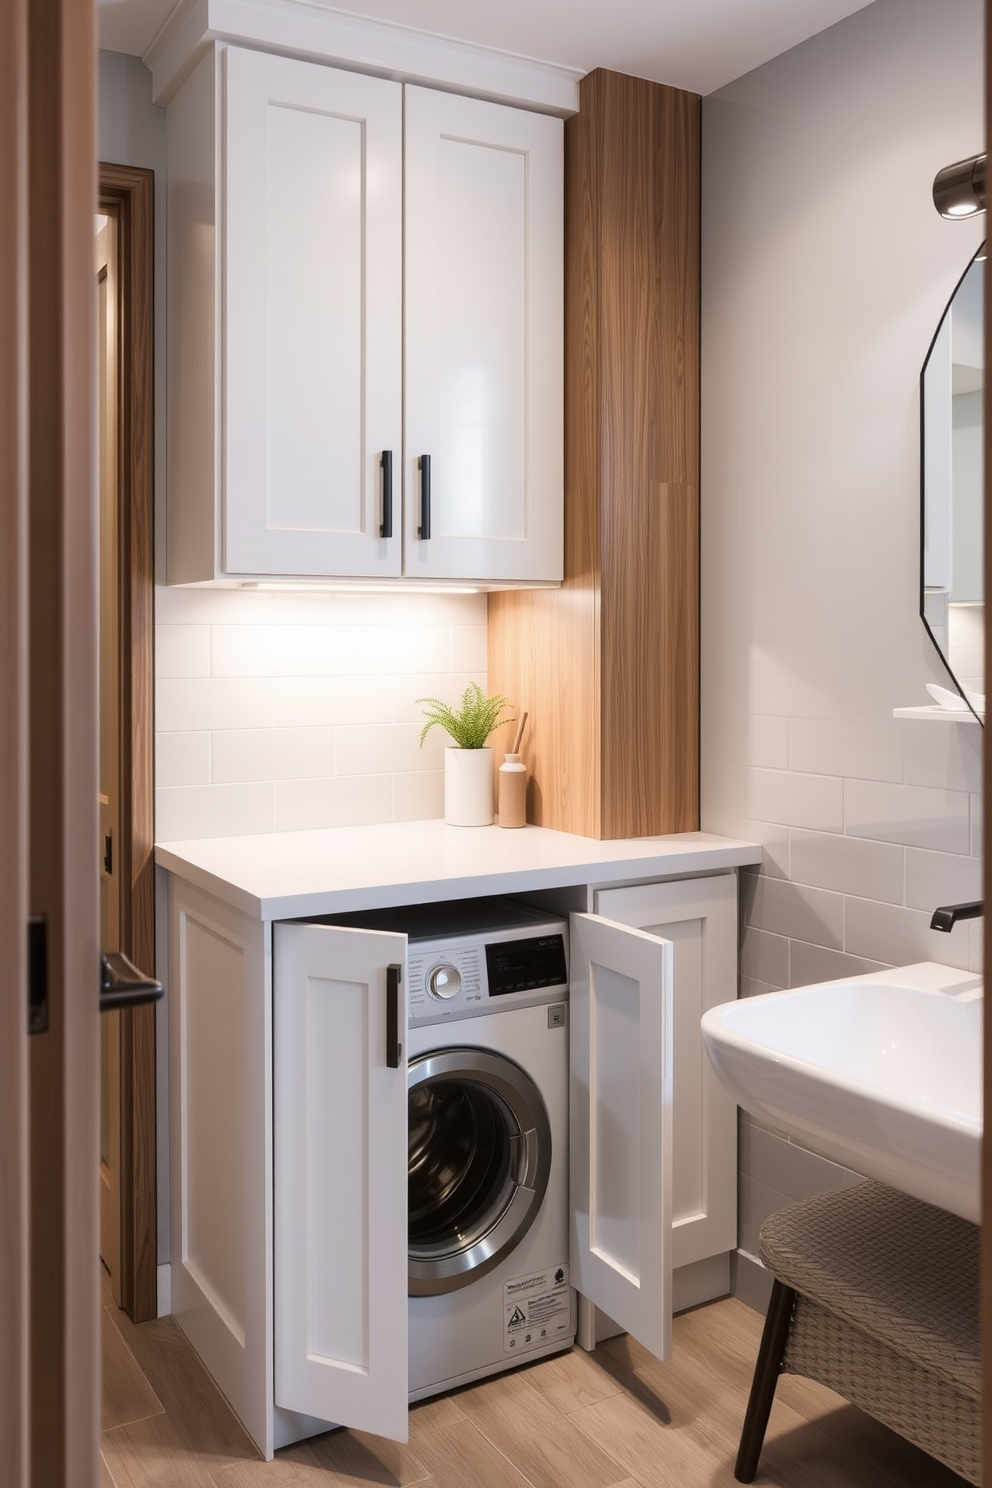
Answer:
[(468, 787)]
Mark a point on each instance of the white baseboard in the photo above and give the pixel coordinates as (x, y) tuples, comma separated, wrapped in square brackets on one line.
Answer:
[(164, 1290)]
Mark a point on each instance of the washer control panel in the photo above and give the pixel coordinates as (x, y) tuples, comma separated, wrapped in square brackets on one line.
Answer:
[(472, 956), (464, 976)]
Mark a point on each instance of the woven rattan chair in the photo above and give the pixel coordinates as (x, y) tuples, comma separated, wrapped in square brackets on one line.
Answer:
[(876, 1296)]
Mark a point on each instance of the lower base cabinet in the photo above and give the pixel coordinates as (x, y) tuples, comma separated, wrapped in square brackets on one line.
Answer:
[(289, 1131)]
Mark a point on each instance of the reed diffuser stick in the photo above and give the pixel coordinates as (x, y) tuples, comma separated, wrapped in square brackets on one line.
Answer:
[(520, 734)]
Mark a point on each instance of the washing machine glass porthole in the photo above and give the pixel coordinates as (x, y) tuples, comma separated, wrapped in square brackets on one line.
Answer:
[(479, 1159)]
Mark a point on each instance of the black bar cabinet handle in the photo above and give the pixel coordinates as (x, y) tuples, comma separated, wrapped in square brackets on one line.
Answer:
[(123, 985), (394, 1048), (386, 461), (424, 531)]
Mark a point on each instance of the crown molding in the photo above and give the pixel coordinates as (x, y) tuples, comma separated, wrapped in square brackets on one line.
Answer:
[(317, 32)]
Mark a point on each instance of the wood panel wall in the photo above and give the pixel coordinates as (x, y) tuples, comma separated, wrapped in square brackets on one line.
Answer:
[(608, 666)]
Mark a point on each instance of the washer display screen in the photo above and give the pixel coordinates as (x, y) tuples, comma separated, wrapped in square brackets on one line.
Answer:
[(526, 965)]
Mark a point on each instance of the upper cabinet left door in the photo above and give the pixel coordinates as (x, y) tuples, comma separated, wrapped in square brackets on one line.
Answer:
[(313, 285), (286, 285)]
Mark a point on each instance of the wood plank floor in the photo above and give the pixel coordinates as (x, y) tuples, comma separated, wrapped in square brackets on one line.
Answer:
[(614, 1419)]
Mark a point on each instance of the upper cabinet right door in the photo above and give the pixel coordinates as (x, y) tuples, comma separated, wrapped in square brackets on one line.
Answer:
[(483, 447)]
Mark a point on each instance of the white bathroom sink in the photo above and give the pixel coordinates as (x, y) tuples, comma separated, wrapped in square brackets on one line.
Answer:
[(882, 1073)]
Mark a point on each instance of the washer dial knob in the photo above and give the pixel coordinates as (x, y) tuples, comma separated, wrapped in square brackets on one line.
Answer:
[(444, 981)]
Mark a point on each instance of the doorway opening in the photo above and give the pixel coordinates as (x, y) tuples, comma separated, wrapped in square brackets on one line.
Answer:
[(128, 1162)]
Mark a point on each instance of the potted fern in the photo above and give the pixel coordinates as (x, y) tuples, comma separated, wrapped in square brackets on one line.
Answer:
[(468, 762)]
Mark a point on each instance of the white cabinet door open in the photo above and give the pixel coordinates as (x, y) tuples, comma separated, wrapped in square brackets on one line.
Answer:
[(620, 1125), (340, 1171), (699, 917)]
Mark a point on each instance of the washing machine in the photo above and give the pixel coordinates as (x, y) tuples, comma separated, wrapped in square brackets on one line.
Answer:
[(488, 1137)]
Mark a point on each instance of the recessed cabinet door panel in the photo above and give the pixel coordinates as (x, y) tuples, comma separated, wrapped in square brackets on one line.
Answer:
[(483, 344), (312, 314), (620, 1120), (699, 917), (340, 1174)]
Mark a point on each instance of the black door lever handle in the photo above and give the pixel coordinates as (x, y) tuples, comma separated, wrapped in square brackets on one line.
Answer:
[(123, 985)]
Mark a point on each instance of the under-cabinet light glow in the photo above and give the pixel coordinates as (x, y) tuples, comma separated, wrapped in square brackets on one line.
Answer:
[(317, 588)]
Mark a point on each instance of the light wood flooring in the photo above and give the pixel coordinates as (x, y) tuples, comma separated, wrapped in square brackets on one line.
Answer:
[(613, 1419)]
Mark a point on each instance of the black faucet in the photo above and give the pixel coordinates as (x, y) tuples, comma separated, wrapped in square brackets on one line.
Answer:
[(947, 916)]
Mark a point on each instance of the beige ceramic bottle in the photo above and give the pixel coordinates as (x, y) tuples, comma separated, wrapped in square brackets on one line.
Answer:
[(512, 795)]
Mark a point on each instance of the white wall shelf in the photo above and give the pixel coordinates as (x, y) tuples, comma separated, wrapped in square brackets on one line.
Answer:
[(932, 713)]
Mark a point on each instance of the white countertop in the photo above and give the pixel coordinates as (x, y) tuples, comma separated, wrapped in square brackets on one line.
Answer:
[(288, 875)]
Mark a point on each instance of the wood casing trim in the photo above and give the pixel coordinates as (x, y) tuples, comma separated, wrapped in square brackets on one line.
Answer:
[(15, 1240), (608, 666), (129, 192), (986, 1229), (63, 819)]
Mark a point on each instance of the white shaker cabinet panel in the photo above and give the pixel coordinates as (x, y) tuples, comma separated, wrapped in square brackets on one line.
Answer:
[(620, 1126), (699, 917), (483, 340), (340, 1115), (312, 346)]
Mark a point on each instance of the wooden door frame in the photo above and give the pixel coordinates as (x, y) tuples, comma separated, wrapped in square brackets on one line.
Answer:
[(128, 193), (14, 1232)]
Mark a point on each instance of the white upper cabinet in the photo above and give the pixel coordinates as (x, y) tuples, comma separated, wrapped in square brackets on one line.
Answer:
[(309, 317), (313, 296), (483, 346)]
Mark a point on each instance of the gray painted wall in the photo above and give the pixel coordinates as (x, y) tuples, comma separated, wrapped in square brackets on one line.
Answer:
[(825, 272)]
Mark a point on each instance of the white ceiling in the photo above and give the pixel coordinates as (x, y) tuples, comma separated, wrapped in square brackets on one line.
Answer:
[(693, 44)]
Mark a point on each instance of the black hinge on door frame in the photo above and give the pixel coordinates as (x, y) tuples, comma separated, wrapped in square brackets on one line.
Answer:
[(108, 854), (37, 974)]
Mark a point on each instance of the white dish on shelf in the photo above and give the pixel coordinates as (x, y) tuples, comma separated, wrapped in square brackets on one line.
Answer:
[(952, 701)]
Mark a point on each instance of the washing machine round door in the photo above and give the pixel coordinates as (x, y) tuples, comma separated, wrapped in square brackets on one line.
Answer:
[(480, 1155)]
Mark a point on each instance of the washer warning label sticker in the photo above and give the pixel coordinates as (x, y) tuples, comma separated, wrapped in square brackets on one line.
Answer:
[(537, 1309)]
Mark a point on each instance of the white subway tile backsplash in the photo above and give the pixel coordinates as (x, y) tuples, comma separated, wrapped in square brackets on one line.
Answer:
[(948, 755), (324, 701), (468, 649), (449, 687), (765, 957), (849, 865), (813, 801), (213, 606), (813, 963), (186, 704), (788, 1168), (941, 878), (915, 815), (274, 754), (900, 937), (301, 805), (182, 651), (768, 743), (749, 987), (864, 748), (182, 759), (418, 796), (184, 812), (387, 748), (282, 710), (791, 909), (774, 841)]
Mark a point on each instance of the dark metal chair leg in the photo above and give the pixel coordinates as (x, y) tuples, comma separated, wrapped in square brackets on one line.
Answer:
[(766, 1373)]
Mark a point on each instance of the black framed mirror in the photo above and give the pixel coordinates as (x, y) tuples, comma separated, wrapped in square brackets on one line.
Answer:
[(952, 393)]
